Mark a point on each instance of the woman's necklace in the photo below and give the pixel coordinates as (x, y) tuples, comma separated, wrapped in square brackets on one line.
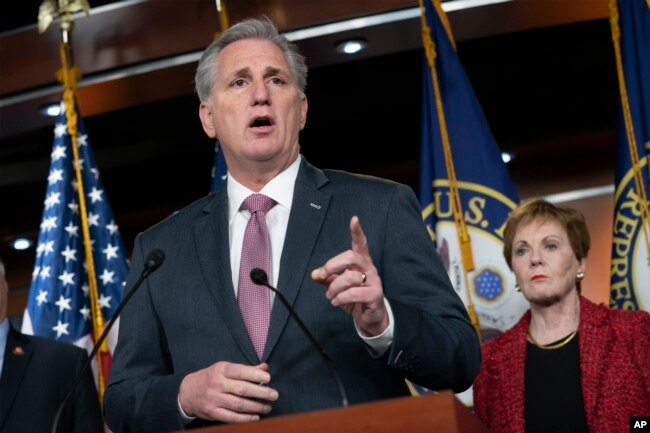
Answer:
[(562, 343)]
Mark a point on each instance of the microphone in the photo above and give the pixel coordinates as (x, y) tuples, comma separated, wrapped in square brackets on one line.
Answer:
[(153, 262), (259, 277)]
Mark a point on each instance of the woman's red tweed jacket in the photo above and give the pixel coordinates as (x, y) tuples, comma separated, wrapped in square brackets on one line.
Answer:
[(614, 361)]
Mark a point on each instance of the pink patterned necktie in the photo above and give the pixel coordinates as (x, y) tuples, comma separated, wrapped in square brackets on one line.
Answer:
[(254, 300)]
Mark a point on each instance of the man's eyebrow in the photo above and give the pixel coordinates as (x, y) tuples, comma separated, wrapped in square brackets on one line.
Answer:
[(242, 72), (272, 71)]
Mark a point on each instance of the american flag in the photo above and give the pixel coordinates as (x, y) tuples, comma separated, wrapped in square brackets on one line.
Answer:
[(59, 302)]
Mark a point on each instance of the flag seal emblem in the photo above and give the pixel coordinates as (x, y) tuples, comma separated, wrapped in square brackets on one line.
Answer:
[(485, 213), (630, 261)]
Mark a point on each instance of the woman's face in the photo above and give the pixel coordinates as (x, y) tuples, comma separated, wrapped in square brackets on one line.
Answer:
[(544, 262)]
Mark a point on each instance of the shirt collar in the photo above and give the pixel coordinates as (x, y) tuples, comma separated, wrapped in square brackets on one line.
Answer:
[(280, 189)]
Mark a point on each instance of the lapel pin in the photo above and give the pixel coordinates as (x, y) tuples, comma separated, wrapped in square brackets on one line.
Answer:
[(314, 205), (18, 351)]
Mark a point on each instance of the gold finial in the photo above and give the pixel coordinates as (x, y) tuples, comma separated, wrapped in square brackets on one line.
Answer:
[(52, 9), (223, 18)]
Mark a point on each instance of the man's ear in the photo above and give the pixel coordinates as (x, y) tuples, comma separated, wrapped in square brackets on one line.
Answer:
[(303, 111), (205, 114)]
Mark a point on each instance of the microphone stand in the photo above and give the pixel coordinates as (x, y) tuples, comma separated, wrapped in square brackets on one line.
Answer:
[(154, 260), (260, 277)]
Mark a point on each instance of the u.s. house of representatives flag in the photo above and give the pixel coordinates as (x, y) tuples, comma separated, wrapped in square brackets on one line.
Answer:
[(630, 271), (59, 305), (485, 193)]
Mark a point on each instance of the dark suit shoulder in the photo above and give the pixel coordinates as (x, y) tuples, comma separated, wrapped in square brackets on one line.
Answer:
[(364, 185), (339, 177), (53, 348), (188, 213)]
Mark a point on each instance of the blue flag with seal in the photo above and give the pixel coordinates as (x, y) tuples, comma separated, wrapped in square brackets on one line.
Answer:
[(219, 169), (630, 269), (63, 302), (465, 191)]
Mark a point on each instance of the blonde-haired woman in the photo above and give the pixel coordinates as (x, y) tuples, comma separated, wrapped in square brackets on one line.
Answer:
[(568, 365)]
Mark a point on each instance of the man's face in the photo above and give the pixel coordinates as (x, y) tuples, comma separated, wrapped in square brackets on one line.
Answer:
[(256, 110)]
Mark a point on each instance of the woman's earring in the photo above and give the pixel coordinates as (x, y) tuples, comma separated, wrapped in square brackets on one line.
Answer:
[(517, 288), (580, 276)]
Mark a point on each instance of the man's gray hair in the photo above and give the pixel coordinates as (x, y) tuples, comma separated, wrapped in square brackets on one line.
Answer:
[(252, 28)]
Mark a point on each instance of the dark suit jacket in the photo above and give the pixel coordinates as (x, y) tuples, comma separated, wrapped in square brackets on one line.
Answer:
[(185, 317), (36, 375), (614, 350)]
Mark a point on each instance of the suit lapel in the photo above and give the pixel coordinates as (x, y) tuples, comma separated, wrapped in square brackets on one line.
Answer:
[(308, 212), (212, 245), (17, 355)]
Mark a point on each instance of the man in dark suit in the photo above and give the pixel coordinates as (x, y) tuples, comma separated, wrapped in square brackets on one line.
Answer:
[(376, 298), (35, 375)]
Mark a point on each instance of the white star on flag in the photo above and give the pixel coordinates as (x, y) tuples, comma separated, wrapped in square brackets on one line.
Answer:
[(74, 207), (58, 152), (60, 328), (72, 229), (63, 303), (67, 278), (107, 276), (48, 247), (60, 129), (95, 195), (82, 140), (42, 297), (104, 301), (69, 254), (45, 272), (45, 248), (85, 311), (93, 219), (112, 228), (79, 164), (55, 176), (52, 200), (36, 271), (48, 224), (110, 251)]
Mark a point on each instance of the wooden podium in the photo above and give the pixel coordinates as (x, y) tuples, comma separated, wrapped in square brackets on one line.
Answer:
[(439, 413)]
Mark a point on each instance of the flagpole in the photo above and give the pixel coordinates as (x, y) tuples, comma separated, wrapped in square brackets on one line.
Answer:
[(464, 240), (219, 168), (223, 18), (69, 75)]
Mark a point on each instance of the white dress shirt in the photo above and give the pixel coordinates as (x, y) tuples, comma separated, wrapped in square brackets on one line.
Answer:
[(280, 189)]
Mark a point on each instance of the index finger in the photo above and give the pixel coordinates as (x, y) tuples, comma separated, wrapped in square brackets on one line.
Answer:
[(359, 241)]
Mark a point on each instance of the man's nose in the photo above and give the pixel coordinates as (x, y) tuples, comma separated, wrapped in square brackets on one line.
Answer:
[(261, 95)]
